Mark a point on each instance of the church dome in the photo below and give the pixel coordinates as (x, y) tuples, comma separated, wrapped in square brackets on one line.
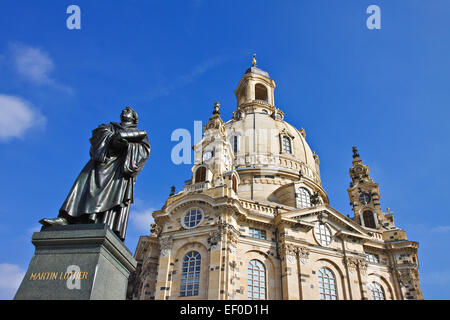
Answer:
[(262, 141), (267, 149)]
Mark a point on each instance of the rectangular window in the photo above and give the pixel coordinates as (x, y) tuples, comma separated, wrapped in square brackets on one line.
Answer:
[(370, 257), (286, 145), (257, 233), (235, 144)]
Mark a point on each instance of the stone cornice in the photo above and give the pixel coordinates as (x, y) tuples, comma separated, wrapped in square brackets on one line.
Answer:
[(402, 245)]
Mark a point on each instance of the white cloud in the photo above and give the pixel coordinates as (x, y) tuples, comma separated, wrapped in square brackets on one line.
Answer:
[(200, 69), (34, 65), (185, 79), (17, 116), (142, 219), (440, 277), (10, 279), (441, 229)]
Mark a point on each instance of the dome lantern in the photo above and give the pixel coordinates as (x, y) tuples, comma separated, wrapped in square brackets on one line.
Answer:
[(256, 90)]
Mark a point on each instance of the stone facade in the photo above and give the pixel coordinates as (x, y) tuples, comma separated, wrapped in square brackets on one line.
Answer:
[(255, 223)]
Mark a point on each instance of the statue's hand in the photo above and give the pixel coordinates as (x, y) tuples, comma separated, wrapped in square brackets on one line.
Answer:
[(119, 142)]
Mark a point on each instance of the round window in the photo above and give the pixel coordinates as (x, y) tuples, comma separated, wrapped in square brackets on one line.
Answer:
[(322, 234), (192, 218)]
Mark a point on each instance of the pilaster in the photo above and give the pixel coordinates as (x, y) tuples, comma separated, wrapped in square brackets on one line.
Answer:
[(162, 282), (289, 271), (304, 272), (215, 242)]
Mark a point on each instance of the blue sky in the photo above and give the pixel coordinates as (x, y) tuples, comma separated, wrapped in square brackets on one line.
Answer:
[(385, 91)]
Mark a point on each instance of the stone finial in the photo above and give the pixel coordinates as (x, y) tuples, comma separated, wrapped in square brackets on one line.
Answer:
[(172, 191), (359, 172), (216, 108), (302, 132), (277, 212), (315, 199), (316, 158), (254, 60), (154, 229), (215, 122), (355, 152)]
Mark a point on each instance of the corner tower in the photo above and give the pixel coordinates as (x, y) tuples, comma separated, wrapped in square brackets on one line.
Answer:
[(364, 196), (213, 157)]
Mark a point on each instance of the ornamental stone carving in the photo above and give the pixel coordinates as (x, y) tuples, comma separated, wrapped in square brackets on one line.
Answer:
[(228, 230), (155, 230), (362, 265), (233, 238), (290, 258), (165, 246), (232, 249), (406, 277), (287, 251), (225, 227), (315, 199), (351, 263), (303, 254), (214, 239)]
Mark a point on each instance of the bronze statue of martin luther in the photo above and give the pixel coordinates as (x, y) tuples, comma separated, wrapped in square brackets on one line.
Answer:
[(103, 191)]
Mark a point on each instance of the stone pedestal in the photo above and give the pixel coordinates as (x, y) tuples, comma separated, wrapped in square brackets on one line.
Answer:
[(77, 262)]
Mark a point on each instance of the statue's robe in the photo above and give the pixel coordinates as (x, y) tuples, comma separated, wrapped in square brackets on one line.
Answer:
[(104, 189)]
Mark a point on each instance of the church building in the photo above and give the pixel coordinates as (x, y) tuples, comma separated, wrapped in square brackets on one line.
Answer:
[(254, 222)]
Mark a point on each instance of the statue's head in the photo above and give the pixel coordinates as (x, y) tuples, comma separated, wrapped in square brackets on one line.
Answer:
[(128, 115)]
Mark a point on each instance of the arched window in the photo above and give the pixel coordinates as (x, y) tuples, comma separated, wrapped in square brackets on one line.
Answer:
[(260, 92), (286, 144), (369, 220), (327, 285), (234, 183), (200, 175), (376, 291), (190, 274), (303, 198), (235, 144), (256, 280)]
